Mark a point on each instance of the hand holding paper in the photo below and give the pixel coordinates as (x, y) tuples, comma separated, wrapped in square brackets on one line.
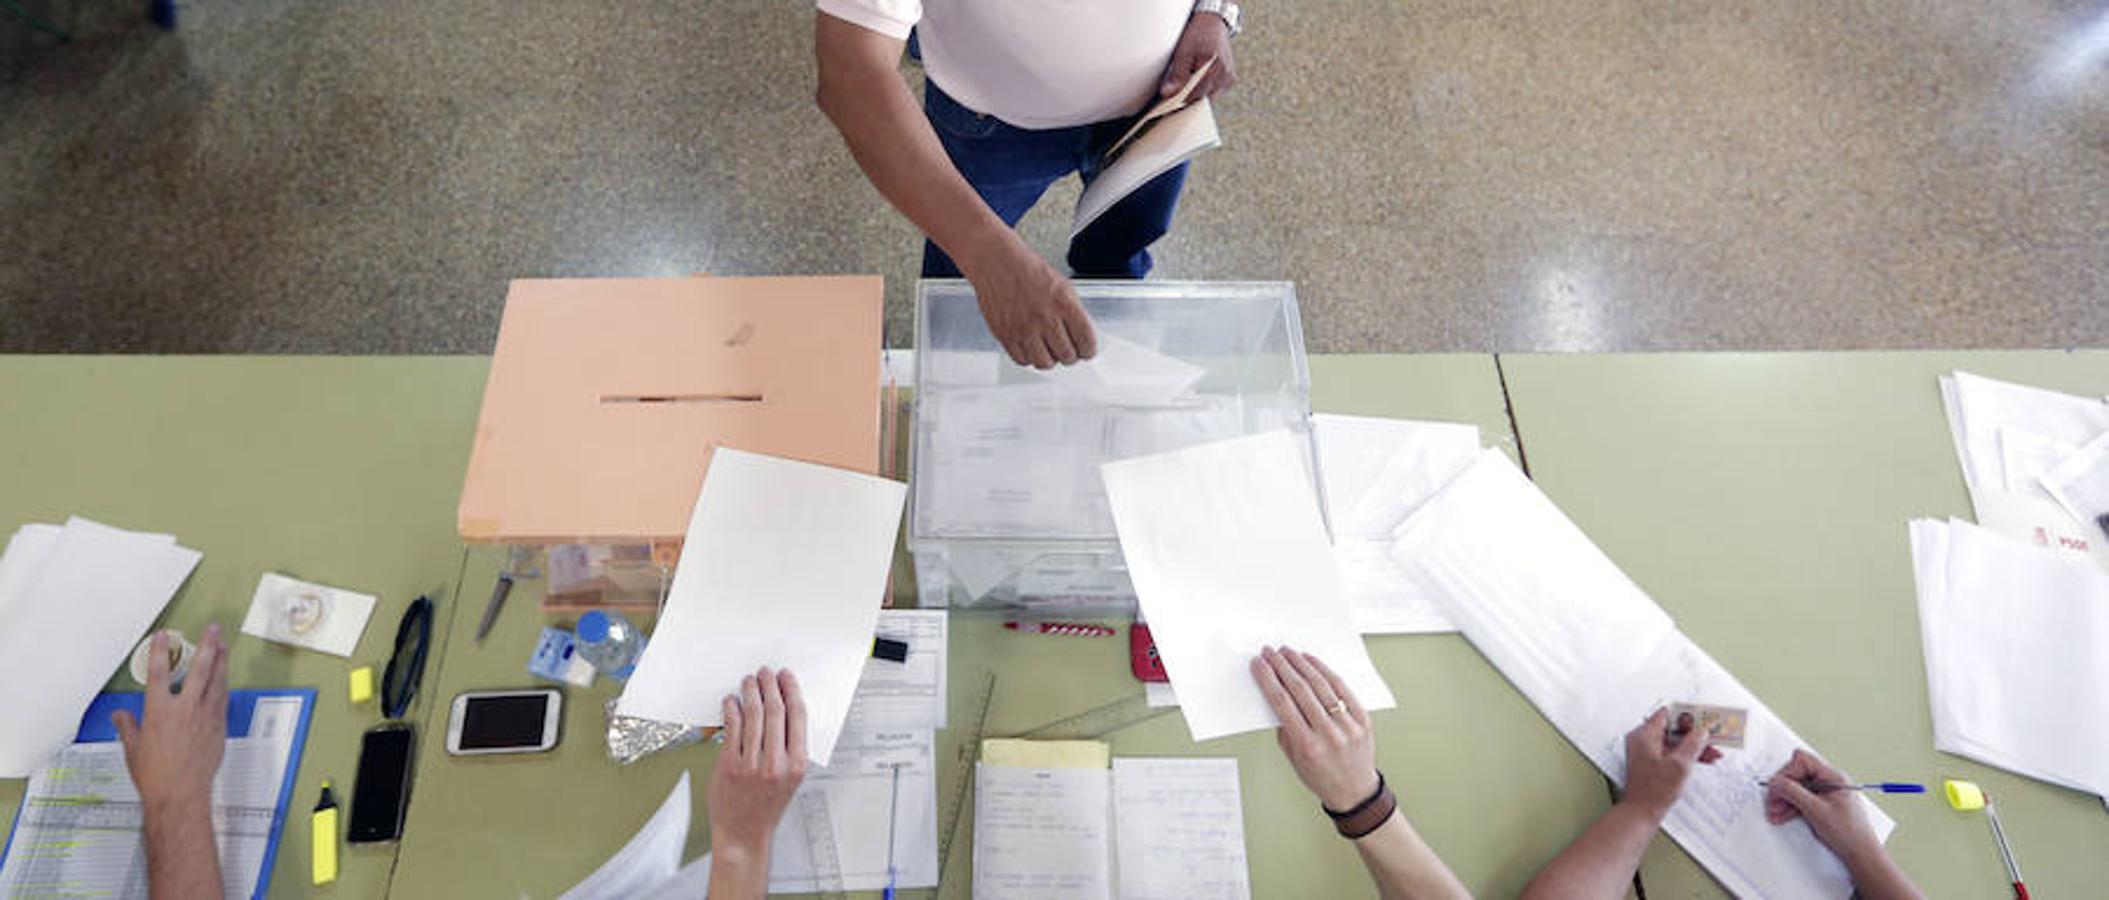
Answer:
[(784, 567), (1229, 555)]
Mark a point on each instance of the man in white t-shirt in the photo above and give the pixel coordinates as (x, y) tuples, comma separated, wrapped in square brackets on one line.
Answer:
[(1020, 94)]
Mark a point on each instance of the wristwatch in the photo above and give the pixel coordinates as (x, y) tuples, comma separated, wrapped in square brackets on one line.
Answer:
[(1225, 8)]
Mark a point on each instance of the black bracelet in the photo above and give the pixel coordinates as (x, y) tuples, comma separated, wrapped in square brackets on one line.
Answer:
[(1359, 807)]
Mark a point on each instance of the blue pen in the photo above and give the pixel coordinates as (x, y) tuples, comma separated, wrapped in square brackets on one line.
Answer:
[(1886, 787), (892, 805)]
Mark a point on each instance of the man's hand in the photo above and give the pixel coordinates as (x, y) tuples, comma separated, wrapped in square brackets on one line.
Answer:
[(1206, 37), (1657, 763), (759, 768), (1031, 309), (175, 754), (1324, 731), (173, 757)]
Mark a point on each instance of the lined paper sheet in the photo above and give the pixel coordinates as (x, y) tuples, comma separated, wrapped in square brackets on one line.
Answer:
[(784, 566), (1228, 554), (1179, 827), (1041, 833)]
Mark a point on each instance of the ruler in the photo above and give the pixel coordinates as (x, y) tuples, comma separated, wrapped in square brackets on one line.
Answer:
[(957, 792), (1099, 721), (821, 852)]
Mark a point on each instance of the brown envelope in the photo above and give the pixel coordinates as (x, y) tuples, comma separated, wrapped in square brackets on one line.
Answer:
[(606, 396)]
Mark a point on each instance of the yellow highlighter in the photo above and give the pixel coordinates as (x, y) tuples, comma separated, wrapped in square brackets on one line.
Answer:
[(325, 829)]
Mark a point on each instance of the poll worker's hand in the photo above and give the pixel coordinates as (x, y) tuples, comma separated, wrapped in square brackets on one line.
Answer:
[(1837, 817), (1658, 762), (1206, 37), (1031, 309), (1324, 731), (761, 764), (175, 753)]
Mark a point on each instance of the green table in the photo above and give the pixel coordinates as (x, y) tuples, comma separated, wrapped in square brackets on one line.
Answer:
[(343, 471), (1490, 785), (1762, 501)]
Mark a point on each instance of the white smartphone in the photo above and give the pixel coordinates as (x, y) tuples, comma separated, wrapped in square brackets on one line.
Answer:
[(504, 722)]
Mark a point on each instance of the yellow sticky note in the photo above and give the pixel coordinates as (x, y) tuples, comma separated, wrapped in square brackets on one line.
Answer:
[(1046, 754), (361, 684)]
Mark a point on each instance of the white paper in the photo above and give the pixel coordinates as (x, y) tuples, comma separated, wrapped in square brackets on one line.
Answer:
[(82, 812), (651, 858), (343, 621), (1982, 415), (2024, 456), (905, 695), (1125, 373), (1532, 593), (1179, 827), (2013, 640), (1156, 694), (1014, 460), (1376, 473), (1041, 834), (691, 883), (784, 566), (81, 598), (2080, 484), (1595, 655), (1174, 139), (1228, 554), (852, 797)]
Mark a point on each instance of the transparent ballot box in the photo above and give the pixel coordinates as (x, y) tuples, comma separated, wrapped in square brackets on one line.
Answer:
[(1007, 511)]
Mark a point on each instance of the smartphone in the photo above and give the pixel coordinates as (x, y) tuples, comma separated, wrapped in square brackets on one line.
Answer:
[(504, 722), (381, 795)]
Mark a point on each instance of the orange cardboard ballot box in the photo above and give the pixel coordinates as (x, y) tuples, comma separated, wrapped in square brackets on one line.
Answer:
[(607, 396)]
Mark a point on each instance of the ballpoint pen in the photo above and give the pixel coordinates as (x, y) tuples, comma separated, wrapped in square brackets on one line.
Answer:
[(2006, 852), (1886, 787), (892, 807)]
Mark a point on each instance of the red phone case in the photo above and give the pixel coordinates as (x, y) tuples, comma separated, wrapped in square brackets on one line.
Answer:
[(1142, 655)]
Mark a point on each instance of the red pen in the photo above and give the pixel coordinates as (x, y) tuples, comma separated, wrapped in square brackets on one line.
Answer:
[(1072, 629)]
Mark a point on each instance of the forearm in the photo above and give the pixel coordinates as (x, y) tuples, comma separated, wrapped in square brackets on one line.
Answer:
[(895, 146), (1602, 861), (1876, 876), (1403, 866), (739, 871), (182, 859)]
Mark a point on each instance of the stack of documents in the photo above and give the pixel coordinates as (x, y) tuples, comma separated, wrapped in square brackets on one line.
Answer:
[(1050, 820), (1375, 473), (2015, 666), (74, 601), (2034, 462), (1586, 646)]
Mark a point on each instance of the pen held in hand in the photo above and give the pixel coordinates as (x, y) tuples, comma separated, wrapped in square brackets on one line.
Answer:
[(1886, 787)]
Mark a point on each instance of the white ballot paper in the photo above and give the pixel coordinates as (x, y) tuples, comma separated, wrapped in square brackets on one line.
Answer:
[(2080, 484), (1228, 554), (1125, 373), (650, 859), (1376, 472), (1595, 655), (784, 566), (2013, 639), (74, 601)]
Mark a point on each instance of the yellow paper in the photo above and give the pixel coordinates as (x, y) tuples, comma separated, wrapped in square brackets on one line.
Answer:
[(1023, 754)]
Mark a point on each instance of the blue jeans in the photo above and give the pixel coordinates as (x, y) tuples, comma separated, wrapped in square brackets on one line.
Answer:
[(1011, 167)]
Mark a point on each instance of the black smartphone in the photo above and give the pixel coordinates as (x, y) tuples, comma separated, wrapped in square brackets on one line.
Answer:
[(381, 795)]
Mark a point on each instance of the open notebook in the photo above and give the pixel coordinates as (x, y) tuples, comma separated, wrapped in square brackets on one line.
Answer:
[(1051, 821), (1177, 129)]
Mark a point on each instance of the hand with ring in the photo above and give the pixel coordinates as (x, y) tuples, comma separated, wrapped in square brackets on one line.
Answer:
[(1324, 731)]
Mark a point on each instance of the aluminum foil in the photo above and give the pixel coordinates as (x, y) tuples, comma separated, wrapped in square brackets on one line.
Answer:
[(631, 739)]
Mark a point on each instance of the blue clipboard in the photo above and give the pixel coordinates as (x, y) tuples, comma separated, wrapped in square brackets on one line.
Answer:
[(241, 711)]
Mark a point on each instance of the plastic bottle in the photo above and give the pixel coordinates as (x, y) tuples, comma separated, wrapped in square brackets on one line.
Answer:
[(610, 643)]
